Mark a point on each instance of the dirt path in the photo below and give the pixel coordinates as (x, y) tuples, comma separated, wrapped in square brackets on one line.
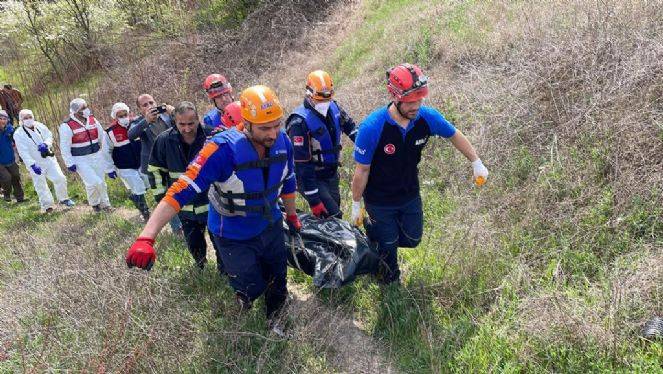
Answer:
[(349, 349)]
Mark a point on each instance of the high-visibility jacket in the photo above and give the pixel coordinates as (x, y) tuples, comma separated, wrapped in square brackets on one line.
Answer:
[(168, 162)]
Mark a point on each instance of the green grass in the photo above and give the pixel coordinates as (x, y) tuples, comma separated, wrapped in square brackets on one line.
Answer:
[(464, 296), (378, 28)]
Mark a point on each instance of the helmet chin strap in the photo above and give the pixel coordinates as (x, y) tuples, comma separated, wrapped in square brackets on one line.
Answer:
[(398, 108)]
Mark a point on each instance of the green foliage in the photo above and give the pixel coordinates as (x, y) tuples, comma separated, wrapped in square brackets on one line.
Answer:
[(462, 305), (384, 27), (215, 14), (161, 16), (488, 350)]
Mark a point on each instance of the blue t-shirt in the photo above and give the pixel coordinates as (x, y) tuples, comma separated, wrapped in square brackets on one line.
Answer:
[(394, 153), (370, 130)]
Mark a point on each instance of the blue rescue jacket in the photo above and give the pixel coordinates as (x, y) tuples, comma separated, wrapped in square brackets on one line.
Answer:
[(212, 119), (243, 189), (325, 146)]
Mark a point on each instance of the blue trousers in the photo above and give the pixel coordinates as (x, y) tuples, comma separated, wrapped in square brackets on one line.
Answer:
[(393, 227), (329, 193), (258, 265)]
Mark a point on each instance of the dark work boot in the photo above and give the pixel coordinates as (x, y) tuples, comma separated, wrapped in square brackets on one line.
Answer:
[(144, 209), (141, 205)]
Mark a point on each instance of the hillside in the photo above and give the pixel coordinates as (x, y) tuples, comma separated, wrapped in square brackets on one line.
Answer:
[(552, 266)]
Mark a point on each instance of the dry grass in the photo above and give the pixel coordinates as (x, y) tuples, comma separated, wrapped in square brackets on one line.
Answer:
[(264, 41), (576, 88), (563, 101), (606, 314), (74, 305)]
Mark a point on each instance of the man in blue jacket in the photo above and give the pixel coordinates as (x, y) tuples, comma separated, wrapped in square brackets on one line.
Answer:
[(387, 152), (10, 177), (315, 129), (247, 172), (220, 93)]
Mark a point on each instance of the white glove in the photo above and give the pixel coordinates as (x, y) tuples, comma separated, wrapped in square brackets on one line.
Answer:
[(357, 213), (480, 172)]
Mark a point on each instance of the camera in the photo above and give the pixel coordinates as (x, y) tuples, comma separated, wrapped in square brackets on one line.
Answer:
[(47, 153), (161, 109)]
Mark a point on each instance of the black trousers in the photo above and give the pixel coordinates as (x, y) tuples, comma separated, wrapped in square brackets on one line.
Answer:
[(10, 181), (194, 234)]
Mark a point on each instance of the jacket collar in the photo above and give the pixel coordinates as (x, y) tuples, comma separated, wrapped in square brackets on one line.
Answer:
[(174, 134)]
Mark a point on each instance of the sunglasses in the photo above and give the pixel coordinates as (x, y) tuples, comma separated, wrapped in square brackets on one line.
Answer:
[(323, 94)]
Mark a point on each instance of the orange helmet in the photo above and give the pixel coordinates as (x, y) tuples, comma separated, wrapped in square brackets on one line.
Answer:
[(406, 82), (319, 85), (260, 105), (216, 85), (232, 115)]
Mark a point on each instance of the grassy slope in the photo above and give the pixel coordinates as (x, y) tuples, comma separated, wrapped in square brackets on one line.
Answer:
[(473, 313), (475, 294)]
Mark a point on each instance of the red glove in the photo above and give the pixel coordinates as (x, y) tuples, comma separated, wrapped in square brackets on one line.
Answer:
[(294, 224), (141, 253), (319, 210)]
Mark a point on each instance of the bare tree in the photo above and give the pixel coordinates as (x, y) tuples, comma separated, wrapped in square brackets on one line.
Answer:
[(47, 46)]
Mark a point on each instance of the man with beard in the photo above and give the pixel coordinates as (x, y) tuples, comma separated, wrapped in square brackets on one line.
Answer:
[(247, 172), (387, 153), (220, 93)]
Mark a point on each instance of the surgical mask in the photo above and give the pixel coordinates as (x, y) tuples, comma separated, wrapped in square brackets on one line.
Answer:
[(86, 112), (322, 107), (123, 121), (29, 122)]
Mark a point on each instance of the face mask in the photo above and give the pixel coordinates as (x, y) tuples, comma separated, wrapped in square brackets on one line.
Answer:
[(86, 112), (29, 122), (123, 121), (322, 107)]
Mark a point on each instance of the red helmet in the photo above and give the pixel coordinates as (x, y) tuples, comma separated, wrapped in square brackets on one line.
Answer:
[(406, 82), (216, 85), (232, 114)]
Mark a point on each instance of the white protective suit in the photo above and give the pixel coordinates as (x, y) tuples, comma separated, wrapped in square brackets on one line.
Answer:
[(27, 150), (91, 168)]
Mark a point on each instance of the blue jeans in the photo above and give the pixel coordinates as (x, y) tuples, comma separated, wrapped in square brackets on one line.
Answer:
[(258, 265), (393, 227)]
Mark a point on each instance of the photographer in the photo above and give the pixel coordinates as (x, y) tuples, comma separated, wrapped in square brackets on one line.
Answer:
[(34, 143), (154, 120)]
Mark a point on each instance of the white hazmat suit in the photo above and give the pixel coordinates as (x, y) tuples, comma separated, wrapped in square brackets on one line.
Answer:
[(81, 147), (28, 137)]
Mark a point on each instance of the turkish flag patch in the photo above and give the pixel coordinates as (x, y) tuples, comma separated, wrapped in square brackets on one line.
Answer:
[(389, 149), (298, 140)]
